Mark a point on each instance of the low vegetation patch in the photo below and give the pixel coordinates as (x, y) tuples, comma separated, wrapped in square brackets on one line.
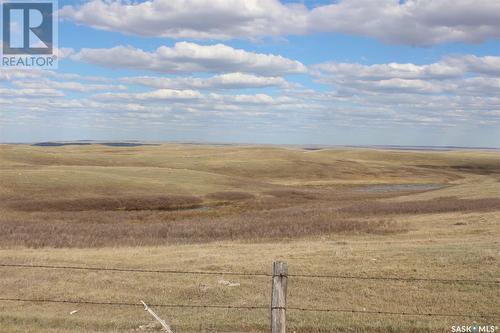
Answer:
[(230, 196), (150, 228), (473, 168), (170, 202), (439, 205), (292, 194)]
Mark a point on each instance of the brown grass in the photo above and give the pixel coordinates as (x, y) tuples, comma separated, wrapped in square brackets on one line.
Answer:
[(473, 168), (306, 211), (292, 194), (439, 205), (166, 202), (103, 229), (230, 196)]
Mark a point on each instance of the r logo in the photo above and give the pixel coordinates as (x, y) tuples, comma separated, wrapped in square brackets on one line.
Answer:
[(28, 28)]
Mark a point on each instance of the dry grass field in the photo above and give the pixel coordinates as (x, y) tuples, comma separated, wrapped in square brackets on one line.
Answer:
[(355, 212)]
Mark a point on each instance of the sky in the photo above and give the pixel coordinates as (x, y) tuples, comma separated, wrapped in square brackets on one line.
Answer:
[(346, 72)]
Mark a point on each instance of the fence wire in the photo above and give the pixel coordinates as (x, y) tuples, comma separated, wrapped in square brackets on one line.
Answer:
[(194, 306), (248, 307), (133, 270), (257, 274), (251, 307)]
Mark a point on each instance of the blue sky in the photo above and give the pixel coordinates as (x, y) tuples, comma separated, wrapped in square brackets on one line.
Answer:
[(354, 72)]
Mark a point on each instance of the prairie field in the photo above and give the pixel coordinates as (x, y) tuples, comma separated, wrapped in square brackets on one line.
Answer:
[(350, 212)]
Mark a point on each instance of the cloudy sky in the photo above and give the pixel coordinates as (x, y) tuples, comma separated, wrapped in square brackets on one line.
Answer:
[(415, 72)]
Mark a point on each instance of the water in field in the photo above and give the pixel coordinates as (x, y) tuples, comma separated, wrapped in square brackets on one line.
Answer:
[(399, 188)]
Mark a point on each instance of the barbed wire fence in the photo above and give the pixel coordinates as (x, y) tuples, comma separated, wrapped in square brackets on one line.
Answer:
[(260, 274), (278, 306)]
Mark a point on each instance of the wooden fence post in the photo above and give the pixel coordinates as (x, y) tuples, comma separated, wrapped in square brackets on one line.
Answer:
[(278, 303)]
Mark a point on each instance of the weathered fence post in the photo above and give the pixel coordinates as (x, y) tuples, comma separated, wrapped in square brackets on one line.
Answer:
[(278, 303)]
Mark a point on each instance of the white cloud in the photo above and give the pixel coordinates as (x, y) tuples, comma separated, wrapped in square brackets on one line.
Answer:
[(155, 96), (187, 57), (200, 19), (456, 91), (30, 93), (64, 52), (38, 79), (223, 81), (11, 74), (391, 70), (67, 85), (247, 100), (413, 22), (487, 65), (457, 75), (193, 98)]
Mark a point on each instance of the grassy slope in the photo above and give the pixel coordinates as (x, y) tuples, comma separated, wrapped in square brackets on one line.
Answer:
[(199, 170), (453, 244)]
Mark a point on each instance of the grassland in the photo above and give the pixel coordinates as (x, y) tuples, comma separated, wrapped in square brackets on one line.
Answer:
[(238, 208)]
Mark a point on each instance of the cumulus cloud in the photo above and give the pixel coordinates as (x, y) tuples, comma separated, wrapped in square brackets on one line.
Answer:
[(459, 90), (187, 57), (391, 70), (64, 52), (67, 85), (43, 80), (456, 75), (30, 93), (154, 96), (11, 74), (199, 19), (413, 22), (487, 65), (223, 81), (193, 98)]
